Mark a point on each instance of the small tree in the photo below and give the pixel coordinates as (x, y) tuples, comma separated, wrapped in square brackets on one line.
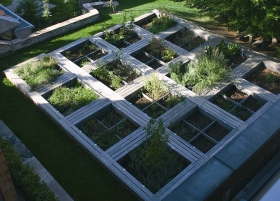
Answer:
[(155, 149)]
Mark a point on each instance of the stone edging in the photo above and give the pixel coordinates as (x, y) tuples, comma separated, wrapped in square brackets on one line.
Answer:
[(30, 160)]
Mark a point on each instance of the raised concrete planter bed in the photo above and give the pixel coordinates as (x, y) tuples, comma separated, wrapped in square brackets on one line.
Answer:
[(218, 149)]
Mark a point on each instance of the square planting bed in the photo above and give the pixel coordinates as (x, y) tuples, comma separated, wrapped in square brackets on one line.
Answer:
[(40, 72), (84, 53), (107, 127), (238, 103), (200, 131), (266, 78), (69, 98), (115, 74), (156, 55), (121, 37), (185, 39), (155, 108), (153, 166), (156, 24)]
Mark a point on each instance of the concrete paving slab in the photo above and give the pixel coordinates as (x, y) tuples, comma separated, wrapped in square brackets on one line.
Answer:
[(202, 182)]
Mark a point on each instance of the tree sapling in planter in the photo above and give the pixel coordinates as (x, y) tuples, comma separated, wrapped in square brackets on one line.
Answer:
[(153, 163)]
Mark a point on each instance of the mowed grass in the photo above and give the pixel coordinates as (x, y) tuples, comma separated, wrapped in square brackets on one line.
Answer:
[(81, 176)]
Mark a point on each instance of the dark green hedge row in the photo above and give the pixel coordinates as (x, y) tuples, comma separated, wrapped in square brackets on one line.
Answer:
[(24, 176)]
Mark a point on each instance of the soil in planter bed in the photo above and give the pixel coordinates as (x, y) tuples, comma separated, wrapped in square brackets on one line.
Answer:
[(140, 101), (184, 131), (154, 178), (235, 95), (253, 104), (155, 65), (110, 118), (194, 43), (203, 144), (266, 79), (217, 132), (143, 57), (154, 111), (124, 128), (199, 120), (241, 112), (97, 55), (84, 50), (236, 60)]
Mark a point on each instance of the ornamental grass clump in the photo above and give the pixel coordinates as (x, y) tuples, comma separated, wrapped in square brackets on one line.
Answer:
[(203, 72), (67, 100), (40, 72)]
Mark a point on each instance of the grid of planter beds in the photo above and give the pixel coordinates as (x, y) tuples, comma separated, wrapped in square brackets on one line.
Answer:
[(111, 123)]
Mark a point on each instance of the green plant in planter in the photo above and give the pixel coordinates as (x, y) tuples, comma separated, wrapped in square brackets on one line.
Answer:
[(270, 78), (154, 87), (116, 81), (85, 62), (67, 100), (203, 72), (40, 72), (164, 21), (158, 49)]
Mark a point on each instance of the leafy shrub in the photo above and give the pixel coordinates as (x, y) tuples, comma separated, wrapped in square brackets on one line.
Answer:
[(67, 100), (24, 176), (43, 71), (203, 72)]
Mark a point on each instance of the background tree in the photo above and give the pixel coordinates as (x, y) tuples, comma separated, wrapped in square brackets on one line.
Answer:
[(257, 17)]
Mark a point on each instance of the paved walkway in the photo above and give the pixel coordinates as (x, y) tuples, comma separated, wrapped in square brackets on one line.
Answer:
[(29, 159)]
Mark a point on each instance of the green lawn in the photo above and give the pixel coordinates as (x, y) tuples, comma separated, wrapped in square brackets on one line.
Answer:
[(82, 177)]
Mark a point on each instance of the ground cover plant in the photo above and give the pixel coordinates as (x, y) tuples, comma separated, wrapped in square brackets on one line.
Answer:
[(203, 72), (40, 72), (266, 79), (39, 133), (67, 100), (154, 164), (163, 22)]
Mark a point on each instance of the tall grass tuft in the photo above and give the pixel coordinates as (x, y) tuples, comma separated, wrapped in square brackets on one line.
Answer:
[(40, 72)]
